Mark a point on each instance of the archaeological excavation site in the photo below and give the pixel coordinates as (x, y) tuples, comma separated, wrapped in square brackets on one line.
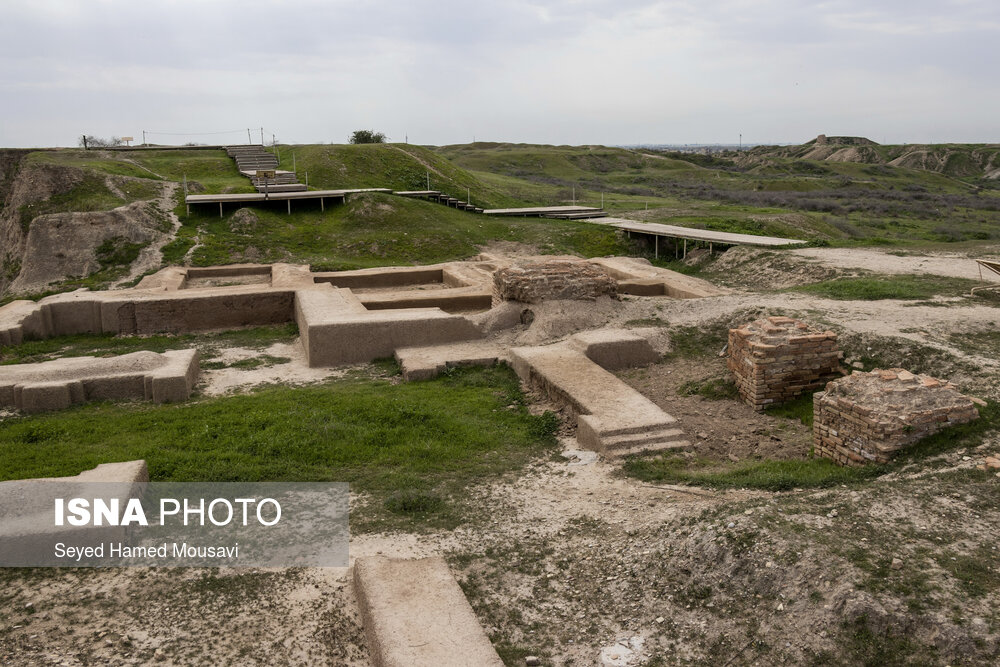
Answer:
[(578, 425)]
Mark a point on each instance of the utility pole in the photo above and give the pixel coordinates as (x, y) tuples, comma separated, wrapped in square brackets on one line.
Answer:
[(574, 195), (261, 136), (85, 147), (249, 140), (144, 137), (741, 141), (293, 161), (428, 180)]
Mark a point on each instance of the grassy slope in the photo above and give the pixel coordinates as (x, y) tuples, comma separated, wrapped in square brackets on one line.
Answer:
[(396, 166), (782, 195), (380, 230)]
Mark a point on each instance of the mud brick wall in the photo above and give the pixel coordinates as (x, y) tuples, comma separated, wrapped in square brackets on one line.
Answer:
[(543, 281), (222, 311), (778, 358), (869, 417)]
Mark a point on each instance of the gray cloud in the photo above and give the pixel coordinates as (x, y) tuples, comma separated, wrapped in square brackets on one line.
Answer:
[(584, 71)]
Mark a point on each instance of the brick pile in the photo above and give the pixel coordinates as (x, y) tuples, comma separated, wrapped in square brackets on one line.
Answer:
[(868, 417), (533, 283), (778, 358)]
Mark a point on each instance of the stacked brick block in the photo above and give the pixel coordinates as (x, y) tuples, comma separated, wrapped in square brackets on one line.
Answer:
[(533, 283), (869, 417), (778, 358)]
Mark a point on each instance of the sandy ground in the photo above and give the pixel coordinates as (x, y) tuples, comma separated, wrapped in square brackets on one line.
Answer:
[(576, 561), (955, 265)]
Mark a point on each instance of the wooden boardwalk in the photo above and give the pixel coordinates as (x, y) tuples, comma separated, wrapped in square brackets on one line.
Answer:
[(260, 197), (705, 235), (549, 211)]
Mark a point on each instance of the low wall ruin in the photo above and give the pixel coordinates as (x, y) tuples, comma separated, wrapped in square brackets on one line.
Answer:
[(778, 358), (869, 417), (536, 282), (58, 384)]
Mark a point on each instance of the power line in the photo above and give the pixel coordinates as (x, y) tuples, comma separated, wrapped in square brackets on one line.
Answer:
[(187, 134)]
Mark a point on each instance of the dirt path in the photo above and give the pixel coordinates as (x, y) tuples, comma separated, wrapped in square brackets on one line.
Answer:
[(151, 257), (953, 265)]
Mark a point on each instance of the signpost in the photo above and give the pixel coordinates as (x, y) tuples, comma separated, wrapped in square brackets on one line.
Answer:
[(267, 175), (127, 140)]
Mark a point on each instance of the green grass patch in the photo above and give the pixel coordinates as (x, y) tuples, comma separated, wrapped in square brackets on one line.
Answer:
[(435, 437), (89, 194), (714, 389), (800, 408), (250, 363), (976, 574), (874, 288), (768, 475), (983, 343), (103, 345), (383, 230), (783, 475)]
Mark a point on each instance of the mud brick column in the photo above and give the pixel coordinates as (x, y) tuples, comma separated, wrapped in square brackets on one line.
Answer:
[(778, 358), (869, 417)]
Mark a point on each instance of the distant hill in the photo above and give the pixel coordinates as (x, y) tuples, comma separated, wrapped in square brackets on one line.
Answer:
[(959, 160)]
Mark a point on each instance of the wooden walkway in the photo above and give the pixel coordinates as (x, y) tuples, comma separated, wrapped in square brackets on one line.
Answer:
[(688, 234), (571, 212), (260, 197)]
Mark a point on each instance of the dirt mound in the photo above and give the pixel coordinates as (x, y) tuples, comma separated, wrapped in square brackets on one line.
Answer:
[(63, 245), (244, 221), (756, 268), (24, 187), (864, 154), (823, 140)]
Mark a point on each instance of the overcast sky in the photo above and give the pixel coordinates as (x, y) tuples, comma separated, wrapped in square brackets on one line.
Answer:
[(441, 72)]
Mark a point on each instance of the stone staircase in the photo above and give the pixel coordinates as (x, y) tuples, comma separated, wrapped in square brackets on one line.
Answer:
[(251, 159), (612, 418)]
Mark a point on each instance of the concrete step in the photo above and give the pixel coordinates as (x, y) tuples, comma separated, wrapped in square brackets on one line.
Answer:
[(649, 448), (651, 440)]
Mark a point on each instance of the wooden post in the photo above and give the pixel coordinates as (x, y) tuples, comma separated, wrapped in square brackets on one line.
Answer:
[(289, 206), (684, 256), (322, 206), (220, 209), (657, 245)]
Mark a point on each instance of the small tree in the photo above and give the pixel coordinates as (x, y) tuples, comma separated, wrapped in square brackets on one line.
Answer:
[(367, 137), (90, 141)]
